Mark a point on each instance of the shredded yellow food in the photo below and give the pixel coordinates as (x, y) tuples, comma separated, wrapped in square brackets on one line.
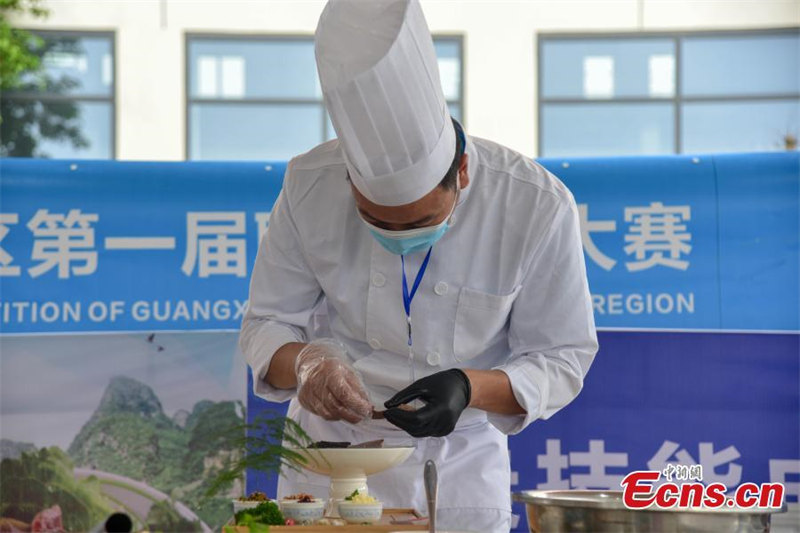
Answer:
[(357, 497)]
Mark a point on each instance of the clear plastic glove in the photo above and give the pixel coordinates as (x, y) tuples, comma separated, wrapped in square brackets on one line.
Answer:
[(327, 385)]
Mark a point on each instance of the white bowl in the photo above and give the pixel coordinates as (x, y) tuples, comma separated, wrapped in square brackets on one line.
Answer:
[(303, 513), (241, 505), (348, 468), (360, 513), (353, 462)]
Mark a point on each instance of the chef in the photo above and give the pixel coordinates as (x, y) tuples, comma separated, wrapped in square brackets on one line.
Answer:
[(413, 270)]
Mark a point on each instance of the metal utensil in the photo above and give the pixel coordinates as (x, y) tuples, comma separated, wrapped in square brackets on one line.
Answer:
[(431, 486), (603, 511)]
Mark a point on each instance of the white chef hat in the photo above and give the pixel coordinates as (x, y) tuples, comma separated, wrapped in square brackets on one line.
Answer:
[(380, 80)]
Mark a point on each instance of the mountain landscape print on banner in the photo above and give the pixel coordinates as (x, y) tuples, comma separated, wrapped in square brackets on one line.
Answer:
[(129, 455), (132, 454)]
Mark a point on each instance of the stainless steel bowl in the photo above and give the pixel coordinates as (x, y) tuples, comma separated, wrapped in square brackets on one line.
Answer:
[(600, 511)]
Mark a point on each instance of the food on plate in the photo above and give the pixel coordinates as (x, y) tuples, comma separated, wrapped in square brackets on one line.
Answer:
[(323, 444), (369, 444), (360, 508), (380, 415), (328, 444), (360, 497), (252, 501), (256, 496), (266, 513), (300, 497)]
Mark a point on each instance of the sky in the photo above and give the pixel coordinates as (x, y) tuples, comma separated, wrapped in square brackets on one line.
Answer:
[(51, 385)]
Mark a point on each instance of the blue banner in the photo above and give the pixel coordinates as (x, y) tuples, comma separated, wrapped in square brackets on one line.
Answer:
[(759, 242), (108, 246), (693, 264), (670, 242), (690, 242), (650, 239), (726, 401)]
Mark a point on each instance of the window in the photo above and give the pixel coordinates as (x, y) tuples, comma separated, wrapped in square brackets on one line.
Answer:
[(668, 93), (448, 53), (740, 92), (66, 110), (260, 99)]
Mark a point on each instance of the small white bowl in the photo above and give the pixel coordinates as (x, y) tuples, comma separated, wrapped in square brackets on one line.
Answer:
[(241, 505), (303, 513), (360, 513)]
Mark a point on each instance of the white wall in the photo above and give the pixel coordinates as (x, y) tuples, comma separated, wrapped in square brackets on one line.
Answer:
[(499, 39)]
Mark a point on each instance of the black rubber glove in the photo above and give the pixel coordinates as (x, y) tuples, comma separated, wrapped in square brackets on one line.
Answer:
[(446, 394)]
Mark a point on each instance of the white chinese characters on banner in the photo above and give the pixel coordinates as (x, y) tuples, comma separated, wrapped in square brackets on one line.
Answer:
[(598, 460), (209, 245), (6, 268), (62, 241), (262, 222), (656, 230), (657, 236), (553, 462), (787, 471), (671, 459), (660, 460), (587, 228), (216, 243), (711, 461)]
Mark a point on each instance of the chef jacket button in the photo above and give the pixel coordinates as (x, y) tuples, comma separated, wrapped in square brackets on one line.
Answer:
[(375, 344), (378, 279), (440, 288), (434, 358)]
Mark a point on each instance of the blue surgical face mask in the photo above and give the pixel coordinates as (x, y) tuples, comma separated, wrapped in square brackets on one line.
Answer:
[(408, 241)]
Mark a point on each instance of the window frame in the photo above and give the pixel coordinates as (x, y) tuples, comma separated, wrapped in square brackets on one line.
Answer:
[(677, 99), (111, 99), (189, 99), (457, 38)]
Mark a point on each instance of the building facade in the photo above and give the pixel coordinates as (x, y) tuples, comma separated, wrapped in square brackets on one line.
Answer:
[(232, 80)]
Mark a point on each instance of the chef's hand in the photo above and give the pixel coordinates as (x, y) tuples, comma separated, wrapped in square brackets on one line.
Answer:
[(327, 385), (446, 394)]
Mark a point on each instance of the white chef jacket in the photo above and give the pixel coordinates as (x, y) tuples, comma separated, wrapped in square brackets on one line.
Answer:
[(505, 289)]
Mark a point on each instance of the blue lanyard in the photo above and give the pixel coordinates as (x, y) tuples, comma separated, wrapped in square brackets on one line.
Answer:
[(407, 298)]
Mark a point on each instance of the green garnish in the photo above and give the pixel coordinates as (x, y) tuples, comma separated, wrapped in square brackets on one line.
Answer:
[(265, 513), (353, 495)]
